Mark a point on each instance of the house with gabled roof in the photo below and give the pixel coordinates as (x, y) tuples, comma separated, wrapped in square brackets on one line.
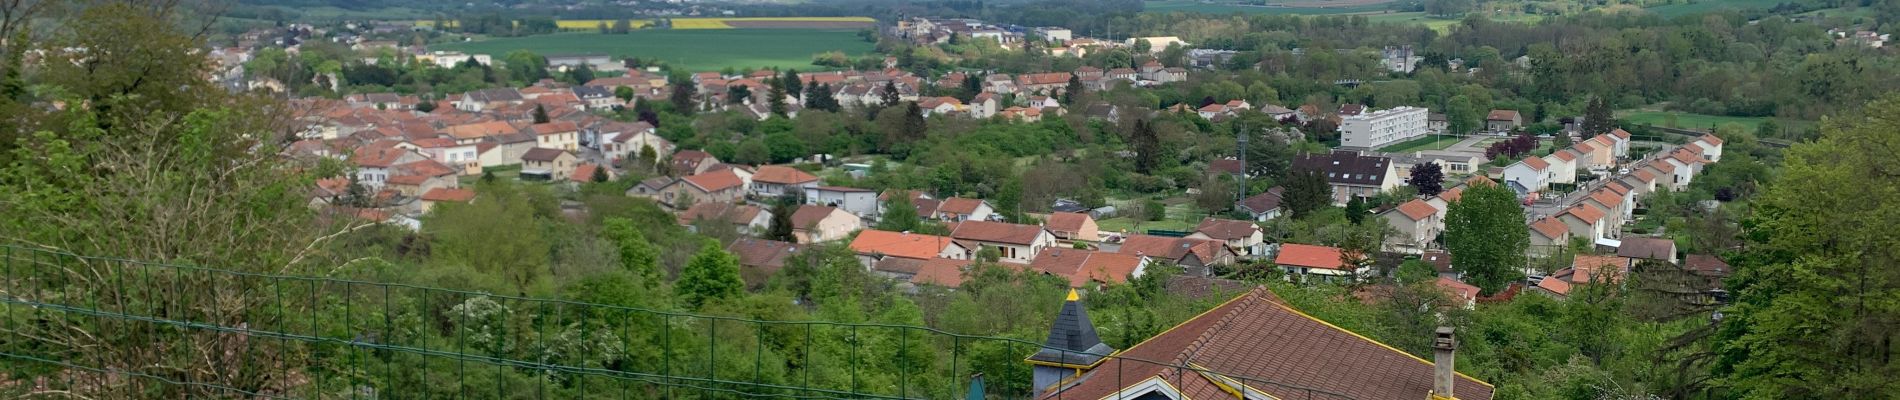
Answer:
[(1641, 181), (1073, 226), (1305, 261), (942, 272), (1502, 120), (625, 140), (429, 199), (817, 224), (1616, 207), (1667, 176), (745, 218), (1548, 236), (374, 162), (1586, 221), (1254, 346), (693, 162), (1416, 224), (861, 202), (1711, 147), (1687, 164), (1244, 238), (1563, 166), (760, 259), (1194, 256), (1622, 142), (723, 185), (873, 246), (956, 209), (1648, 248), (779, 180), (1351, 174), (1081, 268), (1264, 206), (1530, 175), (1585, 270), (417, 177), (1015, 243)]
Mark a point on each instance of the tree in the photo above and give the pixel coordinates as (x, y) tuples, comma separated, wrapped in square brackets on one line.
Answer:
[(540, 114), (1074, 89), (889, 95), (602, 26), (820, 97), (793, 84), (625, 94), (1147, 146), (525, 67), (1306, 192), (1597, 118), (972, 86), (781, 226), (711, 275), (1217, 194), (737, 94), (1356, 210), (1485, 233), (1461, 116), (1428, 178), (637, 255), (914, 125), (682, 96), (425, 106), (622, 26), (775, 99), (899, 215), (1817, 293), (580, 74), (753, 152), (1415, 271), (600, 174)]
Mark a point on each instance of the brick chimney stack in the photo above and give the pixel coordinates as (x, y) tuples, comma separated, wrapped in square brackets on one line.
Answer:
[(1444, 347)]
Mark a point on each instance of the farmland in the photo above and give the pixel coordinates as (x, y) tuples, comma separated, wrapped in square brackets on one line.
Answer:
[(694, 50), (1279, 7), (774, 22), (1701, 7), (1684, 120)]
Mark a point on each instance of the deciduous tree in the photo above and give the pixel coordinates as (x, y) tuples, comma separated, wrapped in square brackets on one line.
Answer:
[(1485, 232), (711, 275), (1428, 178)]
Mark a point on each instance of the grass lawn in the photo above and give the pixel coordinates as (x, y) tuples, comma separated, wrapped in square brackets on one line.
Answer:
[(1442, 25), (1702, 121), (1228, 8), (1706, 6), (692, 50), (1432, 142), (1178, 212)]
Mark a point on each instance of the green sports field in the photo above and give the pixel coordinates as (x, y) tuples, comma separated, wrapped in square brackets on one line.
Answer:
[(693, 50)]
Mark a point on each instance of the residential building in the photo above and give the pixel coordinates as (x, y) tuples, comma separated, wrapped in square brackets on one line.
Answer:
[(1563, 166), (1503, 120), (1194, 256), (760, 259), (1351, 174), (430, 199), (1242, 237), (1256, 335), (1305, 261), (1584, 270), (1587, 222), (1416, 224), (860, 202), (1084, 267), (943, 272), (1530, 175), (563, 135), (1074, 227), (1264, 206), (693, 162), (478, 100), (816, 224), (873, 246), (745, 219), (1383, 127), (1711, 147), (1015, 243), (1648, 248), (779, 180), (718, 186), (543, 163), (957, 209), (1548, 236)]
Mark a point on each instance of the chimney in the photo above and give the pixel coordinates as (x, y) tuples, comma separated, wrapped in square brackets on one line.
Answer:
[(1444, 347)]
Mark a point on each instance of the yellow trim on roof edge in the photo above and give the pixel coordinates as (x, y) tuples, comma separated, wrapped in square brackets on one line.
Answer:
[(1381, 344)]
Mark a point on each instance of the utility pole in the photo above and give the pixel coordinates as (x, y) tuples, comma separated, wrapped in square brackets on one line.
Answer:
[(1240, 146)]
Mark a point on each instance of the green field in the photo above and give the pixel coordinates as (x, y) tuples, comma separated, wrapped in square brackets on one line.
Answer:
[(692, 50), (1228, 8), (1433, 142), (1441, 25), (1707, 6), (1701, 121)]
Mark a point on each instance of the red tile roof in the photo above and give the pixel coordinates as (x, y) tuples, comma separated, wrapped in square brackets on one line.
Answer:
[(907, 245), (1536, 164), (742, 214), (1226, 229), (1607, 197), (1259, 337), (996, 232), (447, 194), (1501, 115), (555, 127), (1067, 221), (1417, 209), (1172, 248), (959, 205), (1712, 139), (941, 272), (1565, 155), (1550, 227), (1084, 266), (1555, 285), (1454, 194), (1464, 291), (1589, 214), (809, 215), (715, 181), (783, 175), (1620, 133), (1588, 268), (1310, 256)]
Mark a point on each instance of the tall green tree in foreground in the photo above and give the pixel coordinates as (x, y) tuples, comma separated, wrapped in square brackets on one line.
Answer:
[(1306, 192), (1817, 312), (713, 274), (1484, 230)]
